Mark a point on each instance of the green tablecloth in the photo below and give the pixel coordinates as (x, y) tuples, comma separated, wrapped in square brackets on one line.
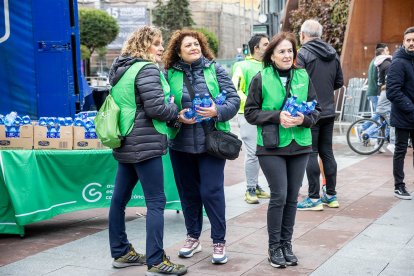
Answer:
[(37, 185)]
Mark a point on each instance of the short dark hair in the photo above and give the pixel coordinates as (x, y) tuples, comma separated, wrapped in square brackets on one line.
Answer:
[(276, 40), (379, 51), (409, 30), (255, 41)]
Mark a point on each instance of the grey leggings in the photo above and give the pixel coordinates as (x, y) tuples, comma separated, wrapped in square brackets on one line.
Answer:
[(284, 175)]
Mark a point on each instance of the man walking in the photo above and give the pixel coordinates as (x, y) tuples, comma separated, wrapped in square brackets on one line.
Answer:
[(323, 66), (400, 92), (243, 72)]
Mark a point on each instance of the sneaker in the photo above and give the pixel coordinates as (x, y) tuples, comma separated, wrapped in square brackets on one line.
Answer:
[(132, 258), (308, 205), (251, 197), (290, 258), (382, 150), (166, 267), (261, 193), (391, 148), (219, 254), (190, 247), (402, 193), (276, 258), (331, 201)]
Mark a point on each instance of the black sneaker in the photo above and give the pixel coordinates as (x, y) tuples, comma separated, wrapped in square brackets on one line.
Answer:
[(290, 258), (402, 193), (276, 258)]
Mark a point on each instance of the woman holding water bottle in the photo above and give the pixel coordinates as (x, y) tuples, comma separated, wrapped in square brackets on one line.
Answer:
[(194, 77), (284, 140)]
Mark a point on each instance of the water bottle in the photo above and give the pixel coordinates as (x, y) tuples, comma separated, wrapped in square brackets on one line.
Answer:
[(61, 121), (312, 106), (9, 124), (304, 108), (42, 121), (26, 120), (68, 121), (88, 124), (189, 114), (196, 106), (290, 101), (206, 102), (78, 122), (1, 119), (52, 132), (221, 98), (293, 109)]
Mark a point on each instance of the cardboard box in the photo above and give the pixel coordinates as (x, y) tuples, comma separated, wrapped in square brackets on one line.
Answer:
[(64, 142), (81, 142), (25, 141)]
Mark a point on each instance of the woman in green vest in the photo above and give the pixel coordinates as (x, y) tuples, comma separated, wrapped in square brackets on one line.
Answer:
[(198, 175), (141, 92), (284, 141)]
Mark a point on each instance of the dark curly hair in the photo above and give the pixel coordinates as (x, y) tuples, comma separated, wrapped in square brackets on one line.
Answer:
[(173, 49), (276, 40)]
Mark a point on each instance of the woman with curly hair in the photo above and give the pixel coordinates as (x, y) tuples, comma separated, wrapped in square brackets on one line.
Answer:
[(191, 70), (141, 92)]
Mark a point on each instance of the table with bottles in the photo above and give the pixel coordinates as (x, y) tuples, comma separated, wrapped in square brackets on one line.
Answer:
[(36, 185)]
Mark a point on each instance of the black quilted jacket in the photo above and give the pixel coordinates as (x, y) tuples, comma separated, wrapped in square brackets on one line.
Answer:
[(144, 142)]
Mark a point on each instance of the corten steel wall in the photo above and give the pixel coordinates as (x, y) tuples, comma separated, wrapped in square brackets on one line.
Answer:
[(369, 23)]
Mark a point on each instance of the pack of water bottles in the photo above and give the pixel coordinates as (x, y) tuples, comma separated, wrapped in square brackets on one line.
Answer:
[(16, 132), (53, 133), (204, 101), (304, 107), (84, 132)]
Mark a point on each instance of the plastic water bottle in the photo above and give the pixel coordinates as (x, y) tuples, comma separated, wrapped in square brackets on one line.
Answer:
[(68, 121), (290, 101), (88, 124), (26, 120), (293, 109), (304, 108), (78, 122), (189, 114), (196, 106), (42, 121), (221, 98), (61, 121), (206, 102), (312, 105), (1, 119), (9, 119)]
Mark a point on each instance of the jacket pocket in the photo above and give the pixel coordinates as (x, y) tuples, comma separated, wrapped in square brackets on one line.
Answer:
[(270, 135)]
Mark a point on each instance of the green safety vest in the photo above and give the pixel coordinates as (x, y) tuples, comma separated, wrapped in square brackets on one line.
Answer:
[(273, 93), (175, 78), (124, 95), (249, 68)]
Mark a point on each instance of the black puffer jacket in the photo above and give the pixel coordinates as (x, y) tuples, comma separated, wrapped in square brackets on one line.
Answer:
[(323, 66), (144, 142), (191, 138), (400, 89)]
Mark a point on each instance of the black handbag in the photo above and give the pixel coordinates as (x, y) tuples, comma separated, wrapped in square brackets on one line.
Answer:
[(220, 144)]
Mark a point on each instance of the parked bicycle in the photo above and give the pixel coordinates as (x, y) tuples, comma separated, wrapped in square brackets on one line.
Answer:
[(366, 136)]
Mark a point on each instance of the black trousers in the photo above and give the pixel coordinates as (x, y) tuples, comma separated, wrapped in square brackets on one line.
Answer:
[(322, 134), (401, 144), (284, 175)]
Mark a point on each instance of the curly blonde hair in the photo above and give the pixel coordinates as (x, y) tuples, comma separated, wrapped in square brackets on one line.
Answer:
[(139, 42), (173, 49)]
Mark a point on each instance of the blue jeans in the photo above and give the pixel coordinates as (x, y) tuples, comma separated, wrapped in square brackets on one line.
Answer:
[(150, 173), (374, 101), (200, 181), (322, 134)]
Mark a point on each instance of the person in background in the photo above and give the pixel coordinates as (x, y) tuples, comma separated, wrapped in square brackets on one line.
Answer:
[(283, 162), (400, 92), (323, 66), (138, 88), (199, 176), (373, 89), (243, 72)]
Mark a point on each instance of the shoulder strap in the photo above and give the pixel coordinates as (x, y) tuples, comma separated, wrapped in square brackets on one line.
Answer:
[(189, 87)]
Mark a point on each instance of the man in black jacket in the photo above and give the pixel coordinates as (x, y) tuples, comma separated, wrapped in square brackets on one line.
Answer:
[(400, 92), (323, 66)]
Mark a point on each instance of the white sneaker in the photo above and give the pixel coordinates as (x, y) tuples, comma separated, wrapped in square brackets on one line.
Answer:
[(190, 247), (381, 150), (391, 148), (219, 254)]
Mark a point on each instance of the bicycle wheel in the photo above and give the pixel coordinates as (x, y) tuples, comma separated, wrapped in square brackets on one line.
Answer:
[(365, 136)]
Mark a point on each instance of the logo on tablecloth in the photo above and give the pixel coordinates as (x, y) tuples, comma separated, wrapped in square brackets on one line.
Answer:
[(90, 193)]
